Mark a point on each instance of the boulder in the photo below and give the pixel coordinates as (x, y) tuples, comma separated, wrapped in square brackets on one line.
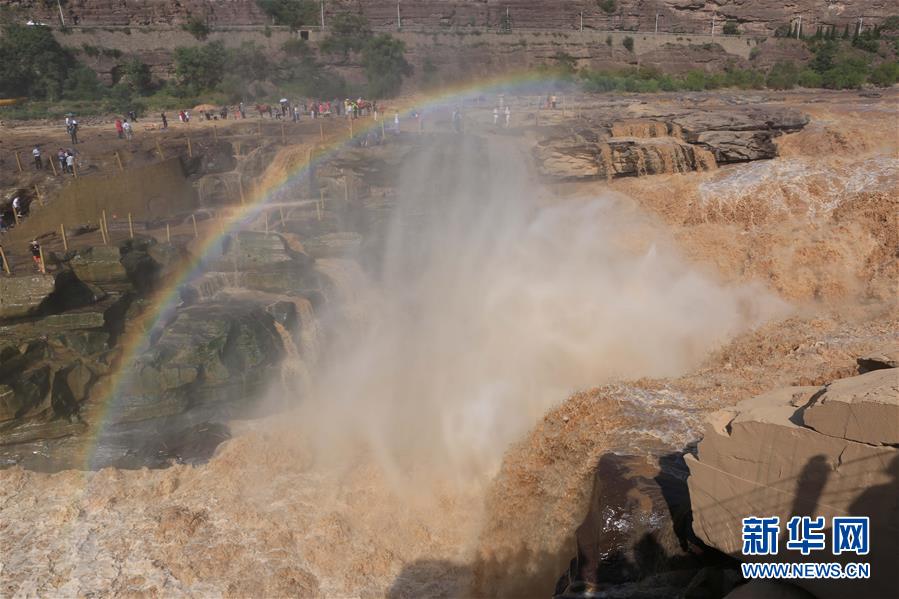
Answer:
[(862, 408), (208, 353), (99, 264), (764, 457), (738, 146), (22, 296), (886, 357)]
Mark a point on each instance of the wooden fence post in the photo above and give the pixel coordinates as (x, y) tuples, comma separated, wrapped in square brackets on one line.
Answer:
[(193, 219), (105, 223), (74, 168), (119, 160), (215, 133), (190, 151), (40, 250), (65, 240), (281, 214), (265, 214), (240, 185), (40, 199), (321, 132), (168, 233), (53, 165), (159, 149), (18, 162), (103, 233), (283, 138), (5, 261)]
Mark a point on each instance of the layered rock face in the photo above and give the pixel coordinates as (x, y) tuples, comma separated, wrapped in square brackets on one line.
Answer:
[(675, 15), (690, 141), (807, 451)]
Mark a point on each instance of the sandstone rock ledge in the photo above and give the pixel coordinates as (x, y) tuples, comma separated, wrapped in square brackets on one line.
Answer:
[(816, 451)]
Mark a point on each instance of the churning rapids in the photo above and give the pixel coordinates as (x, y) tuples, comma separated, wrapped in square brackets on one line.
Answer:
[(488, 303)]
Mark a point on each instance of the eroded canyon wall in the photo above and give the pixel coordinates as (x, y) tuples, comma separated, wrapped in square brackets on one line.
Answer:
[(679, 16)]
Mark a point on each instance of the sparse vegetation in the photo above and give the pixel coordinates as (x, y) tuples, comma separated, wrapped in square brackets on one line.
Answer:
[(290, 13), (607, 6), (348, 33), (731, 28), (197, 28), (628, 43)]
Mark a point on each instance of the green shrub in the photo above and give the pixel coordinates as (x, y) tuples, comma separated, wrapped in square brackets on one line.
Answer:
[(291, 13), (607, 6), (809, 78), (731, 28), (348, 32), (885, 74), (628, 43), (783, 75), (197, 28), (33, 64), (848, 73), (384, 61)]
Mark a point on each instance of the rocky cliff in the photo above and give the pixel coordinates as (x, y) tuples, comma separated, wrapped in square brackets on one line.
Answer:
[(807, 451), (682, 16)]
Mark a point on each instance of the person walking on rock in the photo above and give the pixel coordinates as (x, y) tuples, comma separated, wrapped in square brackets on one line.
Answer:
[(70, 161), (118, 128), (508, 116), (61, 158), (126, 126), (36, 153), (165, 121), (35, 248), (495, 116), (73, 131)]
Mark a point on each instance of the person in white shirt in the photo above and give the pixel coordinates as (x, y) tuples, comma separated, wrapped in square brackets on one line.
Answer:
[(126, 127), (36, 152), (496, 116)]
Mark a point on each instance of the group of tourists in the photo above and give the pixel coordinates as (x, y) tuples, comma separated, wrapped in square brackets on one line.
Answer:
[(507, 113), (124, 129)]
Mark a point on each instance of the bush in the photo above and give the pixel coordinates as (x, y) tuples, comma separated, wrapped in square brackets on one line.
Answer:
[(731, 28), (608, 40), (809, 78), (849, 73), (348, 33), (197, 28), (290, 13), (33, 64), (885, 74), (607, 6), (385, 65), (867, 41), (783, 75), (200, 68), (628, 43), (136, 75)]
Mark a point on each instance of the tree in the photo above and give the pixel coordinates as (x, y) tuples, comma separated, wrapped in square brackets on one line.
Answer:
[(607, 6), (197, 28), (731, 28), (248, 62), (290, 13), (348, 32), (783, 75), (385, 65), (33, 64), (200, 68), (136, 75)]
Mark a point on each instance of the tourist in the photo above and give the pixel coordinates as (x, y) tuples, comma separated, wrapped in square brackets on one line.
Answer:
[(36, 153), (165, 121), (118, 128), (132, 115), (126, 127), (3, 227), (61, 157), (552, 102), (70, 161), (73, 131), (242, 110), (495, 116), (16, 207), (396, 121), (35, 248), (508, 116)]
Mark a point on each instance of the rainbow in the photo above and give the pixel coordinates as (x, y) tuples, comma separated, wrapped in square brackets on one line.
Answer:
[(166, 299)]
